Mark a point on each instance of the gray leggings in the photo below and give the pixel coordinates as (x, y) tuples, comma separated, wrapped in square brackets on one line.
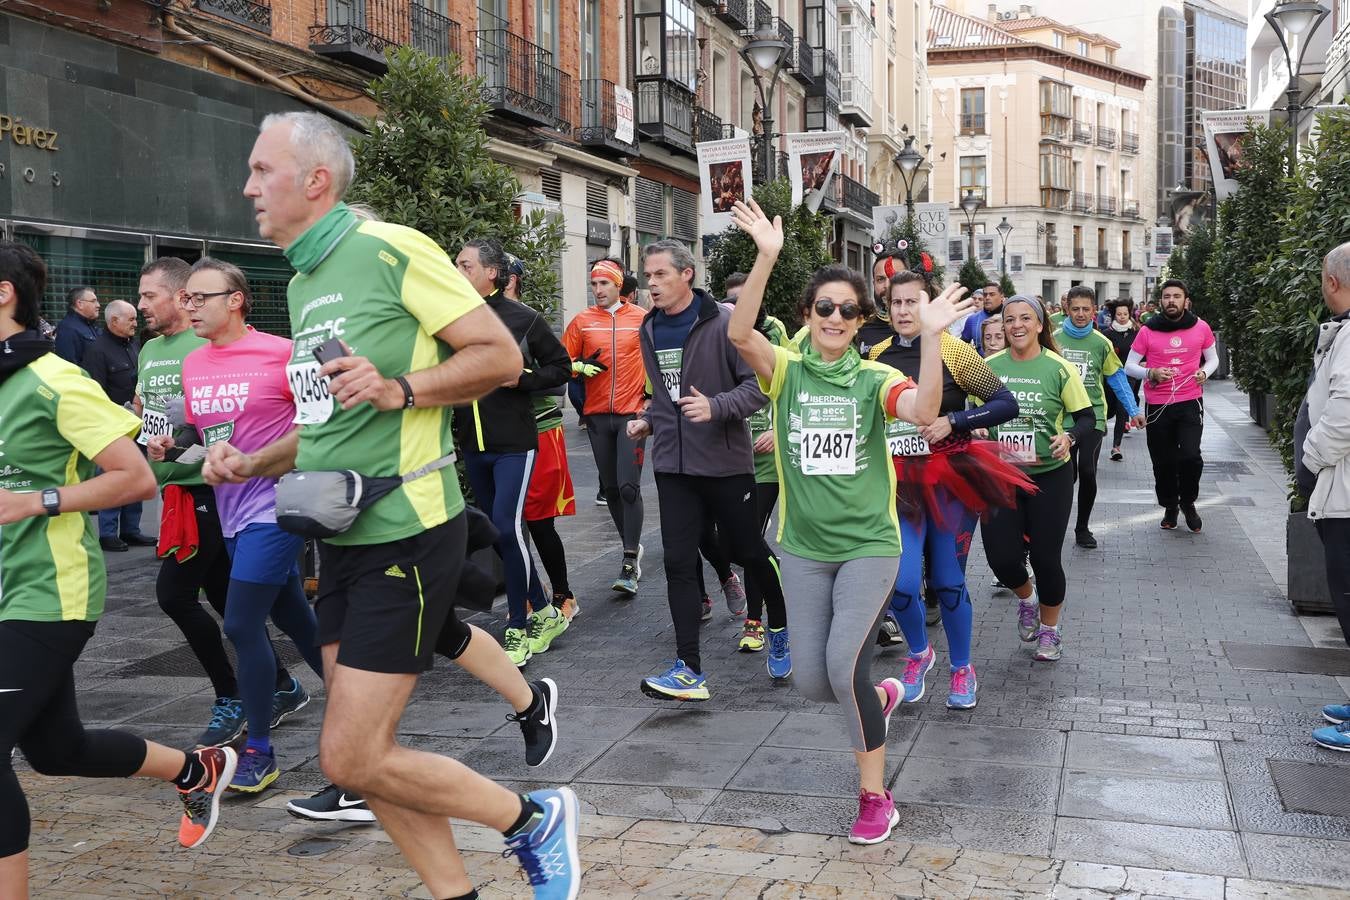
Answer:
[(833, 610), (619, 461)]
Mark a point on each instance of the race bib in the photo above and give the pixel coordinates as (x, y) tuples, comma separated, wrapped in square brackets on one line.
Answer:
[(1017, 440), (153, 424), (1079, 359), (903, 439), (313, 404), (215, 434), (760, 421), (671, 363), (829, 438)]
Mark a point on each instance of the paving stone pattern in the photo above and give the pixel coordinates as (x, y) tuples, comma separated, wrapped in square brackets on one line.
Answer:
[(1142, 754)]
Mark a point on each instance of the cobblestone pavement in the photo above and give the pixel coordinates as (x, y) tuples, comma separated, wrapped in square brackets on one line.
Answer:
[(1139, 765)]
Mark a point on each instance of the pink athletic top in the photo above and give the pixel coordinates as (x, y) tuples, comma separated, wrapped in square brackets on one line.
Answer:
[(239, 393), (1182, 350)]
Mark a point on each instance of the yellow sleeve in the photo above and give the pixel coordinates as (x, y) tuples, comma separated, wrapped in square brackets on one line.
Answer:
[(433, 290), (874, 352), (85, 417), (970, 371), (782, 358)]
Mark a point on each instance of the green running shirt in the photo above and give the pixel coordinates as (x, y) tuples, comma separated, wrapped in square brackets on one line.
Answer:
[(1095, 359), (1048, 390), (385, 290), (846, 510), (159, 379), (54, 420)]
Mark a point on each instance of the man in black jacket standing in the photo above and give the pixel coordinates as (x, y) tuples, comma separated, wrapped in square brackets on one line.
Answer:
[(111, 361), (77, 331)]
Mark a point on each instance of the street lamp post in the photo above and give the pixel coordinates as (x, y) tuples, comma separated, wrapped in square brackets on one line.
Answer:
[(909, 160), (1004, 229), (764, 53), (970, 205), (1299, 20)]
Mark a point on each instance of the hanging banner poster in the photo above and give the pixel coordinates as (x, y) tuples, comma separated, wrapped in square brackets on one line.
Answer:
[(813, 161), (724, 177), (623, 115), (1224, 132)]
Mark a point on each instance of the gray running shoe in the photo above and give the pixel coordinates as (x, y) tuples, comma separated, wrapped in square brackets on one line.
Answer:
[(1049, 647), (1028, 619)]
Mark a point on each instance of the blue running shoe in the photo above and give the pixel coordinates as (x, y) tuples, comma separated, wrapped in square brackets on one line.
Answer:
[(679, 682), (962, 693), (256, 771), (779, 662), (1336, 713), (548, 851), (288, 701), (1333, 737), (226, 725), (916, 667)]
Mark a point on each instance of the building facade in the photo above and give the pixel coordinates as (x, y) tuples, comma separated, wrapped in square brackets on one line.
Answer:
[(1324, 79)]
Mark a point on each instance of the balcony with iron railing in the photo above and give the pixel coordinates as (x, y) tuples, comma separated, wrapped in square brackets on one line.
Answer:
[(1103, 259), (1130, 209), (1082, 133), (1106, 205), (566, 108), (707, 126), (255, 14), (763, 15), (735, 13), (665, 114), (357, 32), (519, 78), (858, 197), (1081, 202), (1078, 257), (786, 34), (972, 123), (1106, 137), (599, 127), (805, 70), (1127, 260), (1129, 142), (1051, 252), (827, 76)]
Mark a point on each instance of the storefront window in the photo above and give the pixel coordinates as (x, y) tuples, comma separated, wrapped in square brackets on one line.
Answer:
[(111, 268)]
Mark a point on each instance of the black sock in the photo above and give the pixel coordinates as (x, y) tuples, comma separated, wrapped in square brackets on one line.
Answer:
[(283, 678), (528, 810), (630, 554), (471, 895), (192, 773)]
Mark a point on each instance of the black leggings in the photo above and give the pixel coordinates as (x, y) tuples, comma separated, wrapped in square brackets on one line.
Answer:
[(38, 714), (1085, 455), (178, 589), (1113, 410), (766, 496), (1037, 523), (544, 534)]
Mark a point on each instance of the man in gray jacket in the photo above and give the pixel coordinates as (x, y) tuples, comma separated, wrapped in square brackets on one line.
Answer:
[(700, 452), (1326, 456)]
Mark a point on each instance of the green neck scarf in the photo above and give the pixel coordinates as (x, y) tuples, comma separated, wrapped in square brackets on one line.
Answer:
[(843, 372), (313, 247)]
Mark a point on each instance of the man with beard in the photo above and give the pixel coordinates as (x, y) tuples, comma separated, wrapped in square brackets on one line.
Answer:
[(1174, 355)]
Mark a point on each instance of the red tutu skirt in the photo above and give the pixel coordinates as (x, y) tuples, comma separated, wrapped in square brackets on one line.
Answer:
[(971, 471)]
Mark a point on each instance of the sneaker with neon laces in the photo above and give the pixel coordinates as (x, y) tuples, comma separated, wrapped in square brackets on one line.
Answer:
[(1049, 646), (332, 804), (516, 643), (876, 817), (538, 725), (733, 591), (1028, 620), (256, 771), (895, 692), (1336, 713), (226, 725), (627, 582), (568, 604), (916, 667), (707, 610), (201, 804), (752, 636), (544, 627), (679, 682), (779, 662), (1333, 737), (289, 701), (548, 851), (961, 695)]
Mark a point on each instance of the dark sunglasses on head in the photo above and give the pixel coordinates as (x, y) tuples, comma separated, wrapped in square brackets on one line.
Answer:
[(849, 311)]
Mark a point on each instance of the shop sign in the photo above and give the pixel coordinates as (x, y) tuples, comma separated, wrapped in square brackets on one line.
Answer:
[(12, 128)]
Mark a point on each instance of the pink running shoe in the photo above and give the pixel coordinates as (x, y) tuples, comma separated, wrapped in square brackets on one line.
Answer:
[(894, 690), (916, 667), (962, 693), (876, 817)]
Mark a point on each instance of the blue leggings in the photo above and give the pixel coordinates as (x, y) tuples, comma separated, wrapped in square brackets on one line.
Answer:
[(500, 482), (945, 553), (265, 580)]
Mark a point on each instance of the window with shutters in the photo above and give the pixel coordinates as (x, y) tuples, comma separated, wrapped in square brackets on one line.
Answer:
[(684, 214), (649, 202), (552, 184), (597, 201)]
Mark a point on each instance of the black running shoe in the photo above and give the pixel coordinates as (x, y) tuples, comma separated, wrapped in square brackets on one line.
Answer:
[(1085, 539), (540, 730), (888, 635), (1169, 521), (1193, 521), (289, 701), (332, 804), (226, 725)]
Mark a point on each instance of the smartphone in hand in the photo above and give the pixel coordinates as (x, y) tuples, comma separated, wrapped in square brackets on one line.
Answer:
[(329, 350)]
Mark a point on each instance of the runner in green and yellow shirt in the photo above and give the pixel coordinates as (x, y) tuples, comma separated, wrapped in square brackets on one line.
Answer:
[(1049, 393), (837, 519)]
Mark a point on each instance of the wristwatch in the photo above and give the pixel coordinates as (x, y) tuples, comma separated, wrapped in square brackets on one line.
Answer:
[(51, 501)]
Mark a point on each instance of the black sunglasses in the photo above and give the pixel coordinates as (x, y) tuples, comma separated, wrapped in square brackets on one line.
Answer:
[(849, 311)]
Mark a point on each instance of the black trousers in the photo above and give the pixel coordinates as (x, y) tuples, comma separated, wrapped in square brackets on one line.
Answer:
[(686, 501), (1335, 534), (1174, 431), (1037, 523), (1085, 455)]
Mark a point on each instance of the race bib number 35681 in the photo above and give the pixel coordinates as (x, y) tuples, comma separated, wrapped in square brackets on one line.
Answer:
[(313, 404), (829, 438)]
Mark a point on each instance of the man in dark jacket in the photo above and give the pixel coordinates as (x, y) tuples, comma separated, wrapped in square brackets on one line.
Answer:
[(77, 331), (111, 361), (700, 450)]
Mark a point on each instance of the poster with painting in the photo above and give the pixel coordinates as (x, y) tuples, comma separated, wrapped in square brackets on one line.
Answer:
[(724, 178), (813, 161)]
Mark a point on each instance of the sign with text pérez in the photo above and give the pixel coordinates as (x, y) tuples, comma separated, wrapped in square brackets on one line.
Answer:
[(932, 219), (13, 128)]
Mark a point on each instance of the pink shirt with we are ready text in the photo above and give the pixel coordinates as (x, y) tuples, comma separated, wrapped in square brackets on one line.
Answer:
[(1182, 350), (239, 393)]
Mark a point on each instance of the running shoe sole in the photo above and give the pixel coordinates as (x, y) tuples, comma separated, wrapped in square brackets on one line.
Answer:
[(281, 718), (894, 821), (899, 698), (362, 814), (1332, 719), (923, 680), (571, 818), (659, 694), (231, 761), (258, 788), (1331, 746), (551, 705)]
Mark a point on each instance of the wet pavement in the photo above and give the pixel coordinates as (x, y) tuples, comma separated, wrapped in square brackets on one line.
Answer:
[(1144, 753)]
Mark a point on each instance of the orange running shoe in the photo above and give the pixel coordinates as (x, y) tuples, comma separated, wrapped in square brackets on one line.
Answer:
[(201, 804)]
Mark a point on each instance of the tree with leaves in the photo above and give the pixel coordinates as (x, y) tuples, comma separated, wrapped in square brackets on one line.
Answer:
[(911, 246), (1188, 261), (425, 164), (805, 249), (972, 275), (1005, 284)]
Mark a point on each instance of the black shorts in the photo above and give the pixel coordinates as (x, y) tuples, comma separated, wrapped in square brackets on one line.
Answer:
[(386, 604)]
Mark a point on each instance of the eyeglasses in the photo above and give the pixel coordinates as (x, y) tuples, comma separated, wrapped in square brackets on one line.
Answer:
[(849, 311), (198, 300)]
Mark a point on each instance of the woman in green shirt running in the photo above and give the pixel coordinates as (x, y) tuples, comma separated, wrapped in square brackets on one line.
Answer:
[(837, 521), (1048, 391)]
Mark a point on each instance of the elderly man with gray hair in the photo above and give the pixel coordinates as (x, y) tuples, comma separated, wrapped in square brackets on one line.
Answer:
[(1322, 460), (111, 361)]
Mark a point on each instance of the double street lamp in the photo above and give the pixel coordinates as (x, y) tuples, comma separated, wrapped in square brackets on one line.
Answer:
[(972, 203), (1004, 229), (1298, 19), (764, 53)]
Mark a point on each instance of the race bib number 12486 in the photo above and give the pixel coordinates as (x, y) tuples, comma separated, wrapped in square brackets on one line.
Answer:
[(313, 404)]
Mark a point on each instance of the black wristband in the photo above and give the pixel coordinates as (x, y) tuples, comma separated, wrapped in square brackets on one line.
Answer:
[(407, 391)]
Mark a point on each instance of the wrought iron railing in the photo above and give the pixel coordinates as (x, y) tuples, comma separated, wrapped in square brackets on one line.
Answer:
[(735, 13), (1106, 137), (1129, 141), (1103, 259), (1082, 133), (665, 112), (858, 197), (1078, 258), (707, 126), (1130, 209), (600, 117), (972, 123), (360, 31), (518, 76), (805, 69), (1106, 205), (1081, 202), (255, 14)]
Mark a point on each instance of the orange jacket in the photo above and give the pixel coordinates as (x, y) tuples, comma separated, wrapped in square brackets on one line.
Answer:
[(621, 389)]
